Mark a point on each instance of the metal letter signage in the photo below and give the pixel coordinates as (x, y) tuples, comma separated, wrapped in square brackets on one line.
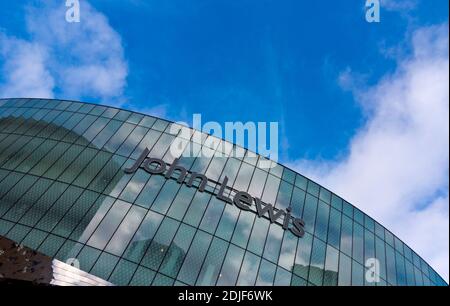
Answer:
[(241, 199)]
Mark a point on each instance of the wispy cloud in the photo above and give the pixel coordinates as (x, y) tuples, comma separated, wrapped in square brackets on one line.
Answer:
[(399, 5), (70, 60), (397, 168), (25, 71)]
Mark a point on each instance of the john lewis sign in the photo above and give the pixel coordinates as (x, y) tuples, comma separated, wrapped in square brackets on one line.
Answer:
[(243, 200)]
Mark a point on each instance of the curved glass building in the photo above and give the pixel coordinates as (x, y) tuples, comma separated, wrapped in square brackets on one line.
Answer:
[(99, 189)]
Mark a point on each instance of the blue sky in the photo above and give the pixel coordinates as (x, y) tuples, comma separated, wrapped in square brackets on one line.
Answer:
[(319, 69), (253, 61)]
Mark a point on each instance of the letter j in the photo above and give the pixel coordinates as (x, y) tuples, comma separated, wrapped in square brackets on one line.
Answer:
[(138, 162)]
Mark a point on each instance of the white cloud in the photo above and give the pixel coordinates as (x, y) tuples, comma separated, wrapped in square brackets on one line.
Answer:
[(71, 60), (399, 5), (397, 168), (24, 72)]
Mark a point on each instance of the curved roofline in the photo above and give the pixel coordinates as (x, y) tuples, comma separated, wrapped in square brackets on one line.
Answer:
[(170, 121)]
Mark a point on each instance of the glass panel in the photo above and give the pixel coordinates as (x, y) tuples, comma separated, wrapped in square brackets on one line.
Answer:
[(132, 141), (244, 176), (134, 186), (301, 181), (345, 270), (142, 277), (63, 162), (289, 176), (160, 244), (177, 251), (227, 222), (181, 202), (86, 211), (162, 280), (161, 146), (266, 274), (273, 242), (282, 277), (35, 213), (301, 267), (213, 263), (34, 238), (59, 209), (149, 192), (122, 115), (27, 185), (71, 173), (142, 238), (309, 214), (389, 238), (347, 235), (347, 209), (196, 208), (390, 265), (298, 202), (330, 277), (104, 265), (215, 168), (51, 245), (323, 212), (398, 244), (109, 130), (258, 236), (194, 258), (313, 188), (358, 243), (271, 189), (109, 224), (284, 195), (95, 128), (87, 258), (358, 216), (334, 229), (166, 196), (410, 274), (369, 223), (119, 137), (325, 195), (92, 169), (110, 112), (380, 255), (317, 262), (379, 230), (230, 170), (249, 270), (336, 202), (148, 141), (18, 233), (400, 267), (288, 249), (147, 121), (122, 273), (357, 274), (369, 245), (125, 232), (47, 161), (243, 229), (257, 183)]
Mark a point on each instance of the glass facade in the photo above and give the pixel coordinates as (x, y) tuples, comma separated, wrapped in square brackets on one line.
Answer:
[(64, 193)]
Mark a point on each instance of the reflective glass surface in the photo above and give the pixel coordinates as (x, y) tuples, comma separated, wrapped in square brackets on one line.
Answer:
[(64, 192)]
